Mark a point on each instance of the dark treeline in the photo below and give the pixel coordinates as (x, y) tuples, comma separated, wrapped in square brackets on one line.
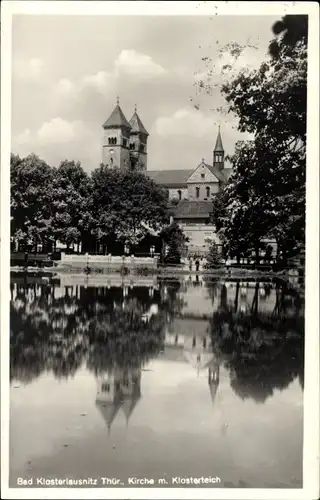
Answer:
[(94, 212)]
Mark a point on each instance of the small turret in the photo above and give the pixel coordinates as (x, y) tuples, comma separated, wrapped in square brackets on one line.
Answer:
[(218, 153)]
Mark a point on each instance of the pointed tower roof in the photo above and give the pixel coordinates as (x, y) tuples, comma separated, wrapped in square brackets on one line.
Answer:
[(137, 125), (108, 410), (219, 147), (129, 405), (213, 391), (116, 119)]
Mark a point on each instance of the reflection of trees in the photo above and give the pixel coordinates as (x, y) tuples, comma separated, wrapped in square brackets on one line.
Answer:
[(263, 351), (172, 301), (98, 326), (212, 285), (124, 338), (106, 328)]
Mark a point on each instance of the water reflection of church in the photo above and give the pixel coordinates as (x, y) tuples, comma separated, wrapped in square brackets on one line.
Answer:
[(117, 391), (186, 341)]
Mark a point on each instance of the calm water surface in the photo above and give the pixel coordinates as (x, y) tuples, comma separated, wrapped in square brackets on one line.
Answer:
[(156, 378)]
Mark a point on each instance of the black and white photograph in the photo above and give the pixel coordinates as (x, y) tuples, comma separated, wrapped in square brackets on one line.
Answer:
[(159, 250)]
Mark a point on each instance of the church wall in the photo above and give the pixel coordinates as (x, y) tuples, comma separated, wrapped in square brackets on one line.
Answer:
[(173, 193), (121, 152), (138, 141), (139, 160), (202, 174), (197, 235), (192, 190)]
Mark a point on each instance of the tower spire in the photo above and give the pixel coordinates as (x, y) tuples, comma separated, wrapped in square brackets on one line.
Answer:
[(118, 100), (219, 146), (218, 152)]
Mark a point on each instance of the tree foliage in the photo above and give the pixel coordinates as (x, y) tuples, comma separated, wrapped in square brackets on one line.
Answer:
[(31, 182), (68, 205), (214, 258), (265, 196), (126, 204), (175, 240)]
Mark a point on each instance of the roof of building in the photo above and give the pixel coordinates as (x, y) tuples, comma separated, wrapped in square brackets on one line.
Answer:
[(193, 209), (219, 147), (170, 178), (116, 119), (217, 172), (137, 125), (179, 178)]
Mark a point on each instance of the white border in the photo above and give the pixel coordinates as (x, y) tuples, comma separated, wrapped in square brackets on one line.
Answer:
[(310, 488)]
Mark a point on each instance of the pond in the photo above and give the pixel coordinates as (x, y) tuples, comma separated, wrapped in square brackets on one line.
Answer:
[(157, 379)]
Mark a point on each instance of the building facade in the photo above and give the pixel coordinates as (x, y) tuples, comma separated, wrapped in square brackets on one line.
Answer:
[(124, 142), (190, 191)]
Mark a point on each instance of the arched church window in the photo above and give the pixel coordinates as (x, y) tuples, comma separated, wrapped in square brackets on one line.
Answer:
[(141, 148), (197, 192), (132, 145), (208, 191), (179, 194), (202, 176), (125, 142)]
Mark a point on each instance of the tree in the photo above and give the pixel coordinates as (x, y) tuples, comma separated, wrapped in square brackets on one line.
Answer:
[(289, 31), (174, 239), (70, 202), (31, 196), (265, 196), (214, 258), (66, 204), (126, 205)]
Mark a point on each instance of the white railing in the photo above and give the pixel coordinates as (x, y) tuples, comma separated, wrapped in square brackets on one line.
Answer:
[(111, 260)]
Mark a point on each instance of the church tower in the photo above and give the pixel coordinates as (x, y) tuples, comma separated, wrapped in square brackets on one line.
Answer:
[(115, 148), (138, 143), (218, 153)]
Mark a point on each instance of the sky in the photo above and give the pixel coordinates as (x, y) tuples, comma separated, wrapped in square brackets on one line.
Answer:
[(67, 72)]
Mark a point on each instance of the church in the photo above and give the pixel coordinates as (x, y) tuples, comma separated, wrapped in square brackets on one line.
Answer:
[(190, 191)]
